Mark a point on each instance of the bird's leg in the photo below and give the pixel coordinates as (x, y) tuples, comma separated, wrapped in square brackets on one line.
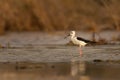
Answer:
[(80, 51)]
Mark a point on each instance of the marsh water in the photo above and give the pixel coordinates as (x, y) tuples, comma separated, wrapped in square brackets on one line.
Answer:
[(59, 62), (30, 57), (59, 71)]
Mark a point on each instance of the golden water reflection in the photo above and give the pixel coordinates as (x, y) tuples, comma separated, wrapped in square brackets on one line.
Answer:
[(60, 71)]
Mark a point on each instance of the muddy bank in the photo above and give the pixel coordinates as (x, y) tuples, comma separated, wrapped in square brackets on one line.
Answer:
[(37, 38)]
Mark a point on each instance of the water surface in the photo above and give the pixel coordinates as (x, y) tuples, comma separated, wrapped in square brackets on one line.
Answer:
[(29, 56), (60, 71)]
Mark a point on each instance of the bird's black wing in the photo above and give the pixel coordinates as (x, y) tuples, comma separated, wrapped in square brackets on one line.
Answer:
[(85, 40)]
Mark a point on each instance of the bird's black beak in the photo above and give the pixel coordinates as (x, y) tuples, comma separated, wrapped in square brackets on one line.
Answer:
[(66, 36)]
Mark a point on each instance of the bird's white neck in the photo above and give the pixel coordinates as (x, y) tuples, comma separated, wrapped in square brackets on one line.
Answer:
[(72, 36)]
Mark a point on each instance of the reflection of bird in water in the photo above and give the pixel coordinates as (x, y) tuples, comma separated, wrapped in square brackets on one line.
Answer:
[(79, 41)]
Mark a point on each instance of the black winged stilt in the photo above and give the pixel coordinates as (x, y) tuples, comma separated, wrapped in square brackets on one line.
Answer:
[(81, 42)]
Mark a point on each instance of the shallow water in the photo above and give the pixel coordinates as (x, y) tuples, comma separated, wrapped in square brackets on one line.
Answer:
[(59, 53), (30, 57), (60, 71), (60, 62)]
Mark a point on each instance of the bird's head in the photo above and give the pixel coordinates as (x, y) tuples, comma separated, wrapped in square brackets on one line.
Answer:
[(72, 33)]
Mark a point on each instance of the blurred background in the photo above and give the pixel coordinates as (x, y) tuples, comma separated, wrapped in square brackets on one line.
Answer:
[(57, 15)]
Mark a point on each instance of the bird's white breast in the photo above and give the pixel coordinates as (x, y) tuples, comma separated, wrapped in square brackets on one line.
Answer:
[(77, 42)]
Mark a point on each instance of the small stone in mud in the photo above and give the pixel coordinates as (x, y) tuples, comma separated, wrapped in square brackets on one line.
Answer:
[(97, 60), (22, 67), (53, 66)]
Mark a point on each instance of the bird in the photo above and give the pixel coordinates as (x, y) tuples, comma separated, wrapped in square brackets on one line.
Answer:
[(81, 42)]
